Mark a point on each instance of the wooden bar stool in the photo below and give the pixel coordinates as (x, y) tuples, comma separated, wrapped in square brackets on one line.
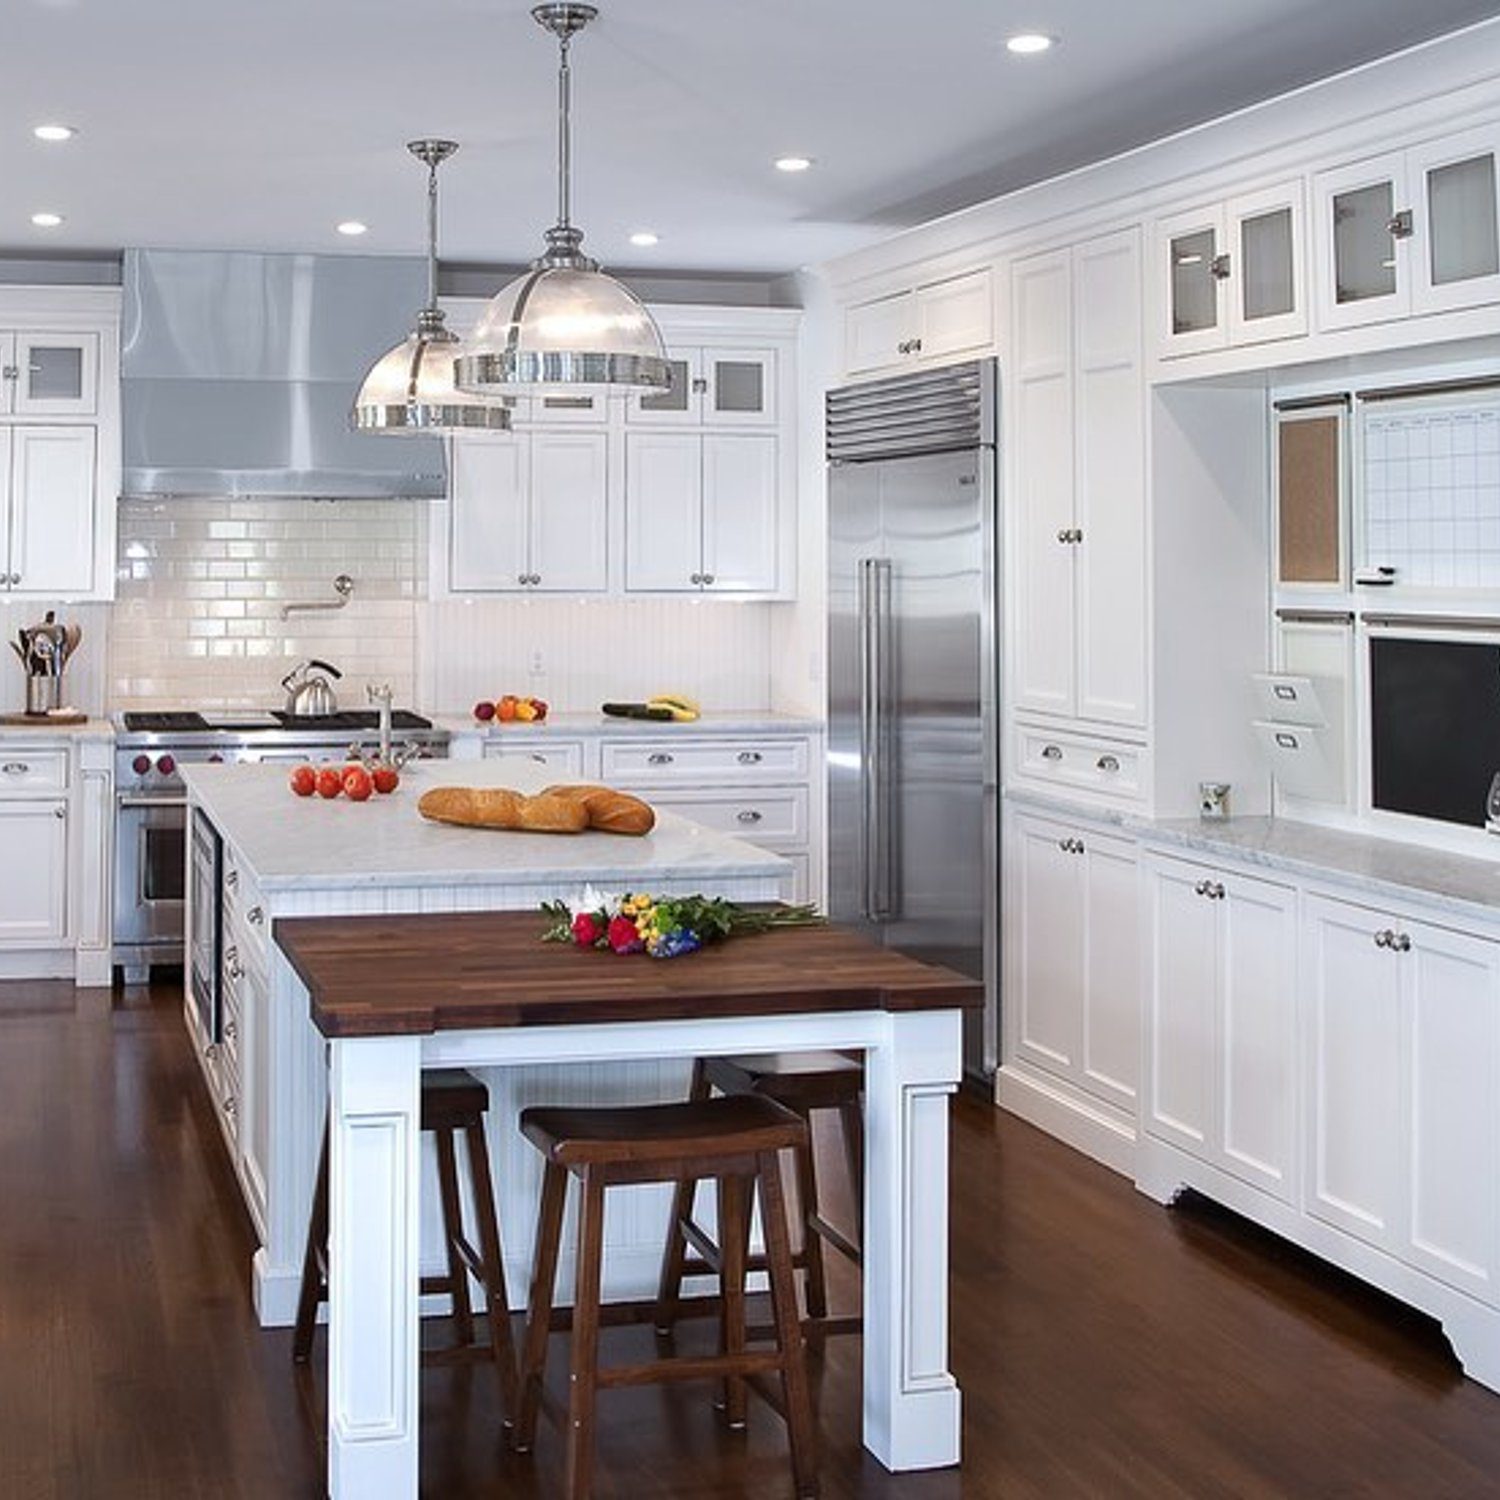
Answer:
[(803, 1082), (735, 1141), (453, 1100)]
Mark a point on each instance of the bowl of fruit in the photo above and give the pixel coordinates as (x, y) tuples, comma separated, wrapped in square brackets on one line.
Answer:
[(510, 710), (357, 780)]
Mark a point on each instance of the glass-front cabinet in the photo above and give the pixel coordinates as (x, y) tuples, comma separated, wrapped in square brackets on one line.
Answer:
[(714, 387), (1232, 272), (1410, 232), (49, 374)]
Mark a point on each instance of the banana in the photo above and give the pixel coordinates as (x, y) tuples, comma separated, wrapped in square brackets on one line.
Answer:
[(682, 708)]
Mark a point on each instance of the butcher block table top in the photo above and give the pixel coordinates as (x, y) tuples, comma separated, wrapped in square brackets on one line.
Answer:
[(411, 975)]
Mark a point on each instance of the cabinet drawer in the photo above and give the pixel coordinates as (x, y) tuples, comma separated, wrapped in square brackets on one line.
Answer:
[(563, 756), (1069, 760), (26, 771), (770, 815), (655, 761)]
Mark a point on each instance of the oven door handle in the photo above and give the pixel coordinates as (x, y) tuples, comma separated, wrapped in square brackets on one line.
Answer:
[(126, 800)]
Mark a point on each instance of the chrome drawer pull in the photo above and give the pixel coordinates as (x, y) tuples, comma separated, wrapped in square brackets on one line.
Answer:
[(749, 815), (1051, 752), (255, 916), (15, 768), (749, 757), (659, 758), (1108, 763)]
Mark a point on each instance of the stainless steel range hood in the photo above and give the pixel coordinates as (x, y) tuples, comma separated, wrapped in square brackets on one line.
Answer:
[(238, 370)]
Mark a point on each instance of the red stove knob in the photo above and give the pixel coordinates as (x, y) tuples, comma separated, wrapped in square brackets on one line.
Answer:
[(141, 764), (166, 765)]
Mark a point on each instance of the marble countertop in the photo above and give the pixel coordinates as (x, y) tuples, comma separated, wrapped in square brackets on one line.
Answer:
[(44, 732), (307, 843), (565, 725)]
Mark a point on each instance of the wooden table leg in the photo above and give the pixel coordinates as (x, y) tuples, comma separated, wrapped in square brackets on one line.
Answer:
[(373, 1332), (911, 1401)]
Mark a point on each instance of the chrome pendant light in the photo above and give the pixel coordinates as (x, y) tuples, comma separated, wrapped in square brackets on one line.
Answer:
[(564, 322), (411, 388)]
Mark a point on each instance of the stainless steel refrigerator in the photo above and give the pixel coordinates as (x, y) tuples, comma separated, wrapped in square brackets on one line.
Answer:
[(912, 661)]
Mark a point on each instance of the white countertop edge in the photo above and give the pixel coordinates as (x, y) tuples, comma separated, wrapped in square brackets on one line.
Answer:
[(602, 726), (56, 734)]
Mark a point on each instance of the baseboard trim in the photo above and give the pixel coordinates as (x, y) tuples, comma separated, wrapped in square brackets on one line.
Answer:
[(1081, 1123)]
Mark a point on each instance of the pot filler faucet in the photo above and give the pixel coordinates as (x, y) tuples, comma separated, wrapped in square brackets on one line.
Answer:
[(380, 695)]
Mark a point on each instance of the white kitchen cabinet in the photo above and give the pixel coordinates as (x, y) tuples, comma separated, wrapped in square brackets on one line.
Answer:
[(715, 387), (1232, 272), (529, 513), (34, 870), (48, 374), (1079, 581), (701, 512), (47, 506), (1404, 1089), (1409, 232), (1220, 1019), (934, 320), (1075, 940), (565, 757)]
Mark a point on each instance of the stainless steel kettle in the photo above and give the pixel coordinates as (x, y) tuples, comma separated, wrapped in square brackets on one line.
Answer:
[(309, 695)]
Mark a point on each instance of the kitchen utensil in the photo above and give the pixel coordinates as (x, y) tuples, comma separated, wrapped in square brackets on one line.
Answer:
[(43, 694), (309, 695)]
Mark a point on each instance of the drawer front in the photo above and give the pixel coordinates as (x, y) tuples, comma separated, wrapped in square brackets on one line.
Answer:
[(770, 815), (655, 761), (23, 772), (564, 756), (1095, 765)]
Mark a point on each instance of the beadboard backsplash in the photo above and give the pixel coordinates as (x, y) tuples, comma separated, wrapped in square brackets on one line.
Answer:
[(202, 583)]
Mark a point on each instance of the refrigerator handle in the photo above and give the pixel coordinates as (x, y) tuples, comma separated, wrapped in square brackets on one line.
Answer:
[(864, 608), (878, 819)]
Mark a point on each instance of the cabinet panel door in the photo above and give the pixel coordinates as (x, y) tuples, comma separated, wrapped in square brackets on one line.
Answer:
[(569, 511), (1182, 978), (1109, 504), (1361, 267), (1192, 296), (739, 511), (33, 874), (1268, 271), (1112, 989), (1042, 438), (1353, 1007), (875, 330), (1453, 1114), (10, 372), (57, 374), (1050, 909), (52, 509), (957, 315), (739, 387), (1257, 1038), (663, 510), (488, 535), (1456, 203)]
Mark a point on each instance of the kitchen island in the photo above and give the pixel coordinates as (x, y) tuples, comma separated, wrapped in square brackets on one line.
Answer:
[(260, 854)]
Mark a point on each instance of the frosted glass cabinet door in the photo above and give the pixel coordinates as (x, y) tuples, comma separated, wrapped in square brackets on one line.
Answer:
[(1364, 237), (1193, 271), (1268, 298), (57, 374), (739, 387), (678, 405), (1457, 260)]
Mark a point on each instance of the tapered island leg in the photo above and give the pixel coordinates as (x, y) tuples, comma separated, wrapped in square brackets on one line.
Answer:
[(912, 1402), (374, 1130)]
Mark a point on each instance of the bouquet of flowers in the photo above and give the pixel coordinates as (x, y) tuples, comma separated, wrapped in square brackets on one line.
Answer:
[(663, 926)]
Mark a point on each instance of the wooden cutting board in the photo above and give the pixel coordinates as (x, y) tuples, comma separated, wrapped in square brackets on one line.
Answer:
[(44, 721)]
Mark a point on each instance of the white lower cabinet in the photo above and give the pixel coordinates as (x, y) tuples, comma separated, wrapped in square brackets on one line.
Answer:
[(34, 871), (1221, 1019), (1404, 1089)]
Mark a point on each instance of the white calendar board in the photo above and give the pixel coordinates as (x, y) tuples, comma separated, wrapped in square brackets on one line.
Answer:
[(1431, 472)]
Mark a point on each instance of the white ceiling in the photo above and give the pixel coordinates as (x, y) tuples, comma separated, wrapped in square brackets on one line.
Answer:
[(261, 125)]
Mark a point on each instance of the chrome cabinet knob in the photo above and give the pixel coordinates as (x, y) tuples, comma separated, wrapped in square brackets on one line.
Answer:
[(1383, 938), (230, 1104), (521, 579), (708, 578), (695, 577), (255, 916), (1399, 226), (1218, 268), (232, 879), (59, 811), (231, 1031)]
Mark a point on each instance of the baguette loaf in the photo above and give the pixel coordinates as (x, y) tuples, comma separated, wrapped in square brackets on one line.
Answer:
[(608, 810), (499, 807)]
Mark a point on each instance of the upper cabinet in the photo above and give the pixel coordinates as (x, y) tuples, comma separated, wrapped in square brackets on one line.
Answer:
[(1232, 272), (934, 320), (49, 374), (1409, 232), (712, 387)]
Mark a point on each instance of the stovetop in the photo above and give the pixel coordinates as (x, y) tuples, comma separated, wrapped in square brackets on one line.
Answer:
[(276, 721)]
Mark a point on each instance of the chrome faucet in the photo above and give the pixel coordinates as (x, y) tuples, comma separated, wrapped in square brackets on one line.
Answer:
[(381, 695)]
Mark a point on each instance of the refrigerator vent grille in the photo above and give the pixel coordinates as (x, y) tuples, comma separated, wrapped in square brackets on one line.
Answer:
[(931, 412)]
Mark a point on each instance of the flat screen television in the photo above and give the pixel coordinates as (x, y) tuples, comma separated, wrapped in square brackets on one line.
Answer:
[(1435, 726)]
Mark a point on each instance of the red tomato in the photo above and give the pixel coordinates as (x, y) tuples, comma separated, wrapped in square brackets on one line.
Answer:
[(385, 778), (303, 780), (330, 781), (357, 784), (484, 711)]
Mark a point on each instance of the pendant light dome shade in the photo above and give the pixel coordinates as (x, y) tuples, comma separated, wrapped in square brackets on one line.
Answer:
[(563, 321), (410, 388)]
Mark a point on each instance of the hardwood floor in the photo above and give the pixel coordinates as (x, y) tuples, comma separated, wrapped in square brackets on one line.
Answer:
[(1106, 1347)]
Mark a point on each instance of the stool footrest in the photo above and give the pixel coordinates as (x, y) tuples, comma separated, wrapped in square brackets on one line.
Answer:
[(835, 1237), (704, 1367)]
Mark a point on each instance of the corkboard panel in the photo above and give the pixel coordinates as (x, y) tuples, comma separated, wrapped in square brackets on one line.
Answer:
[(1308, 499)]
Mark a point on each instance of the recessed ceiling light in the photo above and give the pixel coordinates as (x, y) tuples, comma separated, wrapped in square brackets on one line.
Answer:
[(54, 132), (46, 220), (793, 163), (644, 237), (353, 227), (1029, 43)]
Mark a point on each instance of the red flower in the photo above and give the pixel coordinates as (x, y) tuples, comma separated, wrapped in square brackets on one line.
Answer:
[(586, 929), (623, 937)]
